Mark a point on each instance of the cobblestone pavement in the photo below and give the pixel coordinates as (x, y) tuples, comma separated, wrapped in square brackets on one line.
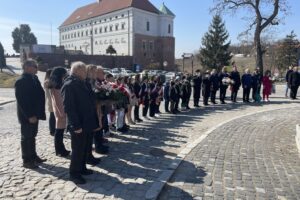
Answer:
[(253, 157), (136, 159)]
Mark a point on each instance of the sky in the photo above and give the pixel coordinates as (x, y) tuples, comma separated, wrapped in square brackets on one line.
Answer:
[(192, 20)]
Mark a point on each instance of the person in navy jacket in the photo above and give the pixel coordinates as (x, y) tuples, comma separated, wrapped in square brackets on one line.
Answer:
[(247, 85)]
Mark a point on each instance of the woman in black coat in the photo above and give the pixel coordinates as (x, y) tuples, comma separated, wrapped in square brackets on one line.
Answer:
[(235, 86)]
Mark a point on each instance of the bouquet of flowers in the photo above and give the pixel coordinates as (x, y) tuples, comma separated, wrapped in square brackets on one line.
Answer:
[(104, 91), (227, 81)]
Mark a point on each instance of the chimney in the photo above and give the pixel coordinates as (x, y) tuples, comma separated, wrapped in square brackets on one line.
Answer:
[(99, 1)]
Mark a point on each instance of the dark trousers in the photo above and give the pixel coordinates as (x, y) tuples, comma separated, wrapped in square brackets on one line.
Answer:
[(79, 152), (254, 92), (184, 102), (213, 96), (294, 90), (145, 108), (52, 123), (59, 141), (246, 94), (234, 93), (223, 94), (196, 101), (205, 99), (152, 108), (167, 102), (136, 112), (98, 135), (28, 134), (177, 104)]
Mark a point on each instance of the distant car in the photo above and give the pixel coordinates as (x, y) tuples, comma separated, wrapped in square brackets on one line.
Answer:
[(115, 72), (129, 73), (170, 76)]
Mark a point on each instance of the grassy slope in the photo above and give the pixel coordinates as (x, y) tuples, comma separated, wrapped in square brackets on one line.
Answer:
[(7, 80)]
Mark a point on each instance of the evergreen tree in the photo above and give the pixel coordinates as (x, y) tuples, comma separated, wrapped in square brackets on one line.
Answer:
[(111, 50), (2, 58), (215, 51), (287, 51), (23, 35)]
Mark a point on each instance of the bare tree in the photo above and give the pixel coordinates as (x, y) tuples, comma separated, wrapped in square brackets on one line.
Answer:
[(261, 15)]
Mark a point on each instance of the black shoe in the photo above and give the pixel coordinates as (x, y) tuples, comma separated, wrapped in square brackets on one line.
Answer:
[(39, 160), (87, 172), (196, 106), (52, 134), (64, 154), (122, 130), (30, 165), (77, 179), (223, 102), (93, 161), (102, 150)]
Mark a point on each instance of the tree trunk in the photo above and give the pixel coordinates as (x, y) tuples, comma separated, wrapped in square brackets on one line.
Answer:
[(259, 52)]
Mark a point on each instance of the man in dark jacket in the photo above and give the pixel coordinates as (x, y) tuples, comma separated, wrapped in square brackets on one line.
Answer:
[(30, 98), (206, 86), (214, 79), (81, 114), (197, 81), (294, 82), (224, 81), (235, 86), (137, 91), (167, 96), (288, 73), (144, 96), (247, 84)]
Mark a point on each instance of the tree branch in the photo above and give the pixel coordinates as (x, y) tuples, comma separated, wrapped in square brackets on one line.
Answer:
[(272, 17)]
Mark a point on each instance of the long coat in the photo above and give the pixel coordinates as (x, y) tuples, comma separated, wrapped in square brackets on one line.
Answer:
[(197, 81), (235, 76), (294, 79), (58, 109), (79, 105), (30, 98), (206, 85)]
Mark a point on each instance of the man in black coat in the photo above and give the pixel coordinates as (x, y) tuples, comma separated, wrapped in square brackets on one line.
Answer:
[(214, 79), (223, 82), (206, 87), (30, 98), (197, 81), (79, 106), (294, 82), (235, 86), (137, 91), (288, 73)]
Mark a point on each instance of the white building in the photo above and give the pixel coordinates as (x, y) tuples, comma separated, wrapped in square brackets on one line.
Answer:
[(133, 27)]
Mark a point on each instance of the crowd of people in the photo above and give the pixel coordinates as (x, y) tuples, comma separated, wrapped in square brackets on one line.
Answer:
[(92, 105)]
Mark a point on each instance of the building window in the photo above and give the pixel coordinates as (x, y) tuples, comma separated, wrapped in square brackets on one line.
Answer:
[(96, 43), (117, 27), (91, 31), (86, 33), (122, 15), (96, 31), (151, 46), (105, 29), (144, 45), (82, 34), (100, 30), (123, 26), (110, 28), (78, 34), (145, 54), (148, 26), (169, 28), (116, 17), (63, 37)]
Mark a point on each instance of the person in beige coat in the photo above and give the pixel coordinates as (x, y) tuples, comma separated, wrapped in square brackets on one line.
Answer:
[(55, 83), (49, 103)]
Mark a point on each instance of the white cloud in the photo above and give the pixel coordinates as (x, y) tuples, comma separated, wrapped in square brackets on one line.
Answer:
[(41, 31)]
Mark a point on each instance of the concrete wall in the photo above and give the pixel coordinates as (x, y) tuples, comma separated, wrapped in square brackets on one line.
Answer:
[(106, 61)]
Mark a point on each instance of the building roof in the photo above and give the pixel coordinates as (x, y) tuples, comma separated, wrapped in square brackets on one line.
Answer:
[(165, 10), (107, 6)]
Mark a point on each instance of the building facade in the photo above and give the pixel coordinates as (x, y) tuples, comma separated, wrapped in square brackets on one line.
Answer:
[(133, 27)]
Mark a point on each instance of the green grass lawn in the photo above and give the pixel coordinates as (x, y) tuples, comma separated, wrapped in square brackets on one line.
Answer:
[(7, 80)]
